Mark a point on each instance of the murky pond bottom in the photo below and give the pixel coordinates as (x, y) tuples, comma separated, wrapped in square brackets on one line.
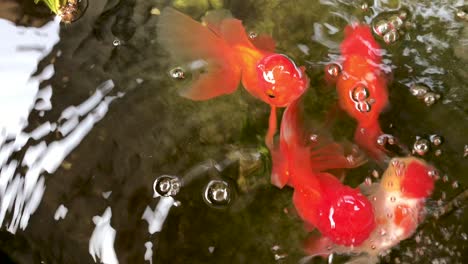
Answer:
[(83, 141)]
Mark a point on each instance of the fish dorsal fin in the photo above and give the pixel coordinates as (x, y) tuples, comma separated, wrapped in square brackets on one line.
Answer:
[(264, 42), (234, 33)]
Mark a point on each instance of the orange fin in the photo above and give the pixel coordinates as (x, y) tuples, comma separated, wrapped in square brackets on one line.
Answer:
[(195, 45), (264, 42), (317, 245), (234, 33), (214, 18), (366, 137)]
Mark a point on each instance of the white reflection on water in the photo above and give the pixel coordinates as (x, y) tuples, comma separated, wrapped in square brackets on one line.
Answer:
[(157, 217), (101, 243)]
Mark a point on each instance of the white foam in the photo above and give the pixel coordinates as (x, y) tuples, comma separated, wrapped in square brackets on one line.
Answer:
[(101, 243), (157, 217), (61, 212), (149, 252)]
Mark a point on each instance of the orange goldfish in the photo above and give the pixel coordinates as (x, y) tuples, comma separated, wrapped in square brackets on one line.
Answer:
[(398, 203), (362, 87), (221, 47), (340, 213)]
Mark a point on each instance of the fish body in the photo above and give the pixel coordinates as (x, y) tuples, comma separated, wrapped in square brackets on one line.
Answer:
[(227, 57), (340, 213), (362, 86), (398, 202)]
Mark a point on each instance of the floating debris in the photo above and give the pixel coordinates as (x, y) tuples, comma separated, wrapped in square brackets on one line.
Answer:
[(68, 10), (166, 185)]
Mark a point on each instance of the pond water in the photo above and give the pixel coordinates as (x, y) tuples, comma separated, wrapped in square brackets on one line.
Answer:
[(91, 118)]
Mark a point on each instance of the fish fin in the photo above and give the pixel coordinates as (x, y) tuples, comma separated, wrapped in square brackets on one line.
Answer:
[(366, 137), (279, 172), (264, 42), (214, 18), (190, 42), (364, 259), (318, 245), (234, 34), (333, 156)]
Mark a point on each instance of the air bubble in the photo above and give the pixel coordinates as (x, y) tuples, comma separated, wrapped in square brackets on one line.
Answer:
[(455, 184), (391, 37), (421, 146), (373, 247), (465, 153), (392, 199), (217, 194), (419, 90), (445, 178), (313, 137), (438, 152), (116, 42), (166, 185), (381, 27), (433, 173), (375, 174), (253, 34), (177, 73), (363, 107), (395, 21), (368, 181), (359, 93), (333, 70), (430, 98)]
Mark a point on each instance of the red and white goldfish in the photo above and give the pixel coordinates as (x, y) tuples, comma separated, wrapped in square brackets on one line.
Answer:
[(340, 213), (228, 57), (362, 87), (398, 203)]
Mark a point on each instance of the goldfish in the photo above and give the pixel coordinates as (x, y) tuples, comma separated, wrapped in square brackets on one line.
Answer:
[(362, 86), (225, 56), (340, 213), (398, 203)]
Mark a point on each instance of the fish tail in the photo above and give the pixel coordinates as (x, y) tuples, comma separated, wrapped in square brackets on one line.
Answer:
[(360, 42), (366, 136), (208, 56)]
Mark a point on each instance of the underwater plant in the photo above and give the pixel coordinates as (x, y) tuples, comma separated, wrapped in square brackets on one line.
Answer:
[(67, 10)]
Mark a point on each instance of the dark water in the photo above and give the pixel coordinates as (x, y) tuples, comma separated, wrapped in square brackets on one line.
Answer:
[(150, 131)]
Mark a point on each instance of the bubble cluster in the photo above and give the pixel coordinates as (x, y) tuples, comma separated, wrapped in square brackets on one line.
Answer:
[(390, 26), (217, 194), (360, 96), (166, 185), (423, 93)]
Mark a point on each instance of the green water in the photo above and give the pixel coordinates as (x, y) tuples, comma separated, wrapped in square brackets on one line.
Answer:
[(152, 131)]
